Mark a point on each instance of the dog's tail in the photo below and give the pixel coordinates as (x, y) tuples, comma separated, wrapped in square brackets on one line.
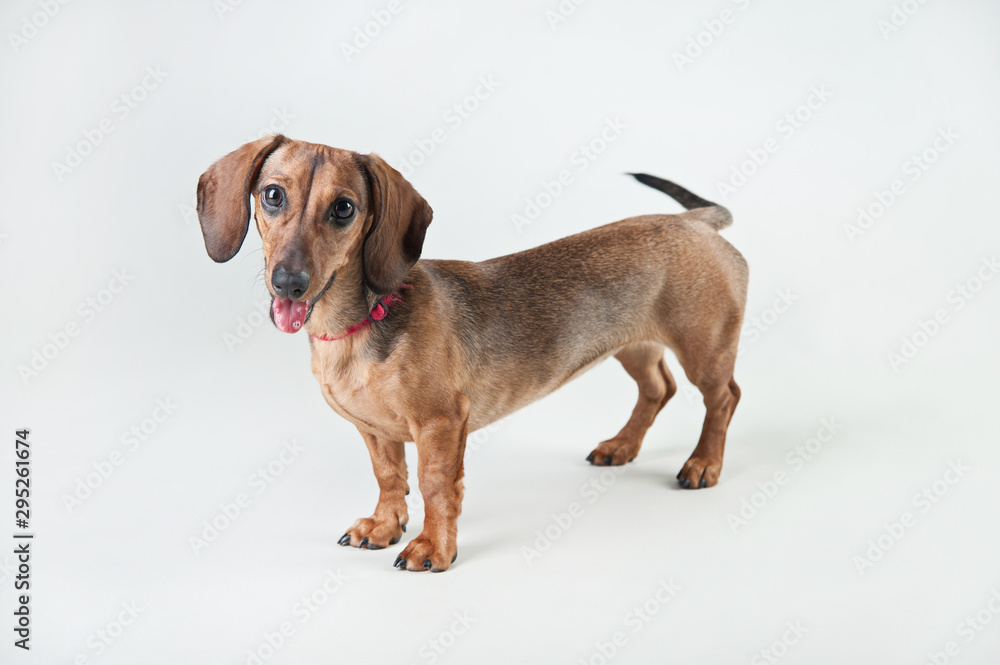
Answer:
[(717, 216)]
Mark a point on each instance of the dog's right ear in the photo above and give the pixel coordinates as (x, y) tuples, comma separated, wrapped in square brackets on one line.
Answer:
[(224, 196)]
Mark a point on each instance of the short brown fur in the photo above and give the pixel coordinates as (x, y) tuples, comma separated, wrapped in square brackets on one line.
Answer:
[(473, 342)]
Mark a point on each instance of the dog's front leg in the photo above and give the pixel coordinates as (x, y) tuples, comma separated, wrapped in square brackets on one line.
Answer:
[(388, 523), (440, 449)]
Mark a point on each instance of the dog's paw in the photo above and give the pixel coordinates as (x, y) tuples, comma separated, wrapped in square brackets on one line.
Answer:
[(372, 533), (700, 472), (423, 553), (614, 452)]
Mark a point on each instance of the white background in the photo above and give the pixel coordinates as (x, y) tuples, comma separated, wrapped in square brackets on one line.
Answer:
[(127, 206)]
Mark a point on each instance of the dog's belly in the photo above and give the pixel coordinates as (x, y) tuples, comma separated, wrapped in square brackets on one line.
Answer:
[(509, 377), (498, 398)]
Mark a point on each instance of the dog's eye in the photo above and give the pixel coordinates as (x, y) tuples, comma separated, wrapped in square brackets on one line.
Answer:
[(342, 210), (273, 196)]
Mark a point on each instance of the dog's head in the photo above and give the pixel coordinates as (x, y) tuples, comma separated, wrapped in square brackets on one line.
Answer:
[(318, 209)]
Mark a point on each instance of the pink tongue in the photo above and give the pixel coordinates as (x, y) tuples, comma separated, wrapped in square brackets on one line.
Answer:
[(289, 315)]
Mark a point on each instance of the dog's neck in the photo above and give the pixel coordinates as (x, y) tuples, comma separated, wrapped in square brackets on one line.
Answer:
[(342, 312), (346, 302)]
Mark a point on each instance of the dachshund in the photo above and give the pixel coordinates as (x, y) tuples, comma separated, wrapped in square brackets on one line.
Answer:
[(429, 350)]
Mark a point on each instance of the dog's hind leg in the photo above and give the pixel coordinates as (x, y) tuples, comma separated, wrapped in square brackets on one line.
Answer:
[(714, 378), (644, 362)]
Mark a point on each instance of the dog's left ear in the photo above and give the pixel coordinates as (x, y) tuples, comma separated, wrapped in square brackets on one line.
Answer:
[(224, 196), (400, 217)]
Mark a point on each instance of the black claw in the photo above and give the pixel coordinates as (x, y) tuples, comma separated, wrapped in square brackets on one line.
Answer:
[(403, 527), (454, 557), (590, 457), (703, 483), (607, 460), (394, 540), (372, 546), (364, 543), (685, 483), (345, 539), (427, 564), (399, 563), (678, 476)]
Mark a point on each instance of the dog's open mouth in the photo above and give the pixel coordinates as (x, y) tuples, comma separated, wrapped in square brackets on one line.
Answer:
[(289, 315)]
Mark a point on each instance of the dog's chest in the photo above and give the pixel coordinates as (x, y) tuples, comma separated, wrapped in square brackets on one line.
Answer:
[(345, 389)]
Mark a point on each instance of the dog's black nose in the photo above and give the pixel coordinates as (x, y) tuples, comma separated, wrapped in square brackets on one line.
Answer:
[(289, 284)]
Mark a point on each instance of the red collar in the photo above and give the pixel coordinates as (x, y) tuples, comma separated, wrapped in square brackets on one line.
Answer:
[(378, 313)]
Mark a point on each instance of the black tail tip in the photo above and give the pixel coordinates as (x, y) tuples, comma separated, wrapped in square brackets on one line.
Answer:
[(645, 178)]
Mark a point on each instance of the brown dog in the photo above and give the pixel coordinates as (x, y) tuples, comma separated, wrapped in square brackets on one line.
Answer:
[(428, 351)]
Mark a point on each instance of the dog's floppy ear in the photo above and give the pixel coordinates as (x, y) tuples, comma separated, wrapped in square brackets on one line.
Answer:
[(224, 196), (400, 217)]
